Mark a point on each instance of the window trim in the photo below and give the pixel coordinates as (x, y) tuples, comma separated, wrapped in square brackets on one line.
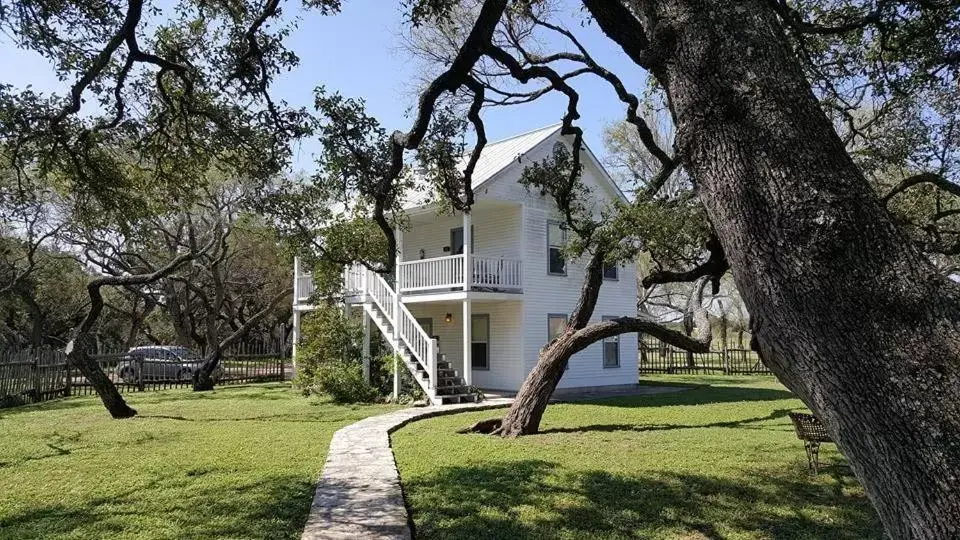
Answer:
[(616, 272), (485, 316), (563, 233), (604, 341)]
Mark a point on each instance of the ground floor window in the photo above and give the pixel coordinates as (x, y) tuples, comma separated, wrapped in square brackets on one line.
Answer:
[(556, 324), (611, 349), (480, 341), (427, 324)]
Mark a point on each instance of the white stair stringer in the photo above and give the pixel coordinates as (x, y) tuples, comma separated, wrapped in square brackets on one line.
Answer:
[(386, 328), (439, 381)]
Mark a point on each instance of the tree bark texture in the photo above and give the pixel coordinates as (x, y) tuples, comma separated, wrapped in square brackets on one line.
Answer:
[(526, 411), (79, 354), (846, 311)]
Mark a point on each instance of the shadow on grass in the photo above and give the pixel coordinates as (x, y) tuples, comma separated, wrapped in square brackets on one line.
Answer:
[(255, 392), (274, 507), (746, 423), (698, 395), (532, 499)]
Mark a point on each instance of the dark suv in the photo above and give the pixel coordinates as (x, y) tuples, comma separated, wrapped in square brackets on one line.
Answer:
[(159, 363)]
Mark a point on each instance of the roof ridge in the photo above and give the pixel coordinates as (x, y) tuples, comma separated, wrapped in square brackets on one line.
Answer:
[(525, 133)]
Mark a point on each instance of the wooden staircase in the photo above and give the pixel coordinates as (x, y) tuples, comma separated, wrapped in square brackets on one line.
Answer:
[(419, 352)]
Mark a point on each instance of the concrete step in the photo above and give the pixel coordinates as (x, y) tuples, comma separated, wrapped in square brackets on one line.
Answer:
[(457, 398), (452, 390)]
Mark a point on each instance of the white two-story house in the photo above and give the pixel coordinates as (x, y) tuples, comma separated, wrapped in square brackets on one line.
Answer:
[(474, 309)]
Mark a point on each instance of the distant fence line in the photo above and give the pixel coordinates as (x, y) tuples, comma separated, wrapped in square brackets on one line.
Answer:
[(34, 375), (659, 357)]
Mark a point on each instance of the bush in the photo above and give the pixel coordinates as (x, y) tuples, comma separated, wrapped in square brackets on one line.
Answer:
[(343, 382), (382, 374), (329, 360)]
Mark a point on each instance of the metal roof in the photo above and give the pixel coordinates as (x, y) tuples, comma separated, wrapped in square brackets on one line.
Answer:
[(494, 158)]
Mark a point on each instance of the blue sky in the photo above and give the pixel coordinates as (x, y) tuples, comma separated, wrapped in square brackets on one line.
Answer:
[(358, 54)]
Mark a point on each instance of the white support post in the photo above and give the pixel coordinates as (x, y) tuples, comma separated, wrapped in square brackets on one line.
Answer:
[(432, 362), (467, 342), (296, 280), (365, 351), (295, 338), (398, 233), (467, 252)]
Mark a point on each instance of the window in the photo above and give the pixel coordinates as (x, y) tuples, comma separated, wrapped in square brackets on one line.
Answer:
[(427, 324), (556, 240), (556, 324), (456, 240), (611, 349), (610, 272), (480, 341)]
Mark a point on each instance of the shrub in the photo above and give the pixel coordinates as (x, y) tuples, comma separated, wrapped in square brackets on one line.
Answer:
[(328, 336), (343, 382), (329, 360)]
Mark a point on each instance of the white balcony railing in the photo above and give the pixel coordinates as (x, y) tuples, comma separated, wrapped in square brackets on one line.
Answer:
[(428, 274), (497, 273), (445, 273), (354, 280), (441, 274), (303, 288)]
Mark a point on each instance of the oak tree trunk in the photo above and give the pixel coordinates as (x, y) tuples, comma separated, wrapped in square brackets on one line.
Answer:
[(526, 411), (203, 377), (846, 311), (79, 354), (531, 401)]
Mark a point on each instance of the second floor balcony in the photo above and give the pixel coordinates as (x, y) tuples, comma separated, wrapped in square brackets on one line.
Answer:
[(429, 276)]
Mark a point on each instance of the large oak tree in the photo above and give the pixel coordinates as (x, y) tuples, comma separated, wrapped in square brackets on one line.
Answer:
[(846, 309)]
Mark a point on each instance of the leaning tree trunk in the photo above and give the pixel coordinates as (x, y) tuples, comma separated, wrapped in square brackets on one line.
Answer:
[(527, 408), (845, 310), (79, 354), (203, 378)]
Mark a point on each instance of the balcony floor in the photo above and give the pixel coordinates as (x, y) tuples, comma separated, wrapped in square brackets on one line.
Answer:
[(441, 295)]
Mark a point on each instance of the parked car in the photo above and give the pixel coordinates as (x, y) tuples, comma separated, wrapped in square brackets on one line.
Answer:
[(160, 363)]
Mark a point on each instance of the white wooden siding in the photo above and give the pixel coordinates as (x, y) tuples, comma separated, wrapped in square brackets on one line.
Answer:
[(506, 339), (518, 329), (496, 233)]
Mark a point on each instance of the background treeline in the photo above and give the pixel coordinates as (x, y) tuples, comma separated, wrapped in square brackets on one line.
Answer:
[(49, 254)]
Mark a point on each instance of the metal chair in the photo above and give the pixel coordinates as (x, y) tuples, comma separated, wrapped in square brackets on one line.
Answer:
[(812, 432)]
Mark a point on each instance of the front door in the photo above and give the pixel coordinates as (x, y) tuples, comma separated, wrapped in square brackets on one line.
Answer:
[(456, 241), (427, 324)]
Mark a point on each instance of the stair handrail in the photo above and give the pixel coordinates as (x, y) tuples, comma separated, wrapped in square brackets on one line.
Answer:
[(423, 346), (381, 293), (420, 343)]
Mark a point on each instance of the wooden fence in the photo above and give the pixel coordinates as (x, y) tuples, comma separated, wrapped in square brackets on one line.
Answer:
[(658, 357), (32, 375)]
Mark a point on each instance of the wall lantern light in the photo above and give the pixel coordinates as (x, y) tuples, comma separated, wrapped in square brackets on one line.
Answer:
[(448, 318)]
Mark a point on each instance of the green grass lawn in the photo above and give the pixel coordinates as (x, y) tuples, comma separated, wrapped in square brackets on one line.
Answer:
[(239, 462), (719, 461)]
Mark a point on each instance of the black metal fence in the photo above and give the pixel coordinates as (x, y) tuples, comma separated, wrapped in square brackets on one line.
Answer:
[(32, 375), (659, 357)]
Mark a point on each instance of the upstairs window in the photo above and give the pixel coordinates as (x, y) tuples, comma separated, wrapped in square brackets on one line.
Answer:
[(556, 239), (610, 272)]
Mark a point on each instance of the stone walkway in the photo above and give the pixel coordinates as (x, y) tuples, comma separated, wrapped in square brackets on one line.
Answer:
[(359, 494)]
